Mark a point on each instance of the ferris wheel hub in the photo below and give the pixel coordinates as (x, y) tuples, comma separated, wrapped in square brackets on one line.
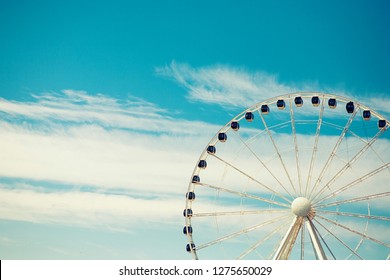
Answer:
[(301, 206)]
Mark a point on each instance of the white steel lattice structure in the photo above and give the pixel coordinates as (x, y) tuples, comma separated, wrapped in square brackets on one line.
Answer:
[(298, 176)]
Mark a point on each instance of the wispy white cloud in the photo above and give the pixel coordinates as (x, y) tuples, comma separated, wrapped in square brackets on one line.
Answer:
[(234, 87), (73, 139), (378, 102), (225, 85), (4, 240), (91, 155), (86, 209), (76, 138), (79, 107)]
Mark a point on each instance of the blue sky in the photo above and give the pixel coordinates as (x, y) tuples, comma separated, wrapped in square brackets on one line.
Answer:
[(112, 102)]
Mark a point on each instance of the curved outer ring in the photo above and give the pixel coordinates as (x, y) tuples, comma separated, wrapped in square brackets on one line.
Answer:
[(256, 107)]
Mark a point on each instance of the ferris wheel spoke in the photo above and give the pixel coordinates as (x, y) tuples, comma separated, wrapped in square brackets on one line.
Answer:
[(261, 132), (334, 151), (349, 164), (353, 183), (265, 166), (354, 231), (294, 133), (356, 199), (279, 125), (241, 194), (365, 229), (260, 242), (315, 148), (341, 241), (360, 138), (278, 152), (253, 179), (240, 213), (240, 232), (383, 218)]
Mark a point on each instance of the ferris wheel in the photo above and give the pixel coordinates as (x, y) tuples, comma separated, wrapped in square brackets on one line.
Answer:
[(297, 176)]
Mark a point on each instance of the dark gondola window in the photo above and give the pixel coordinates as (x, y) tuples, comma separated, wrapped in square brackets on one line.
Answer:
[(190, 196), (264, 109), (281, 104), (211, 150), (382, 124), (298, 101), (196, 179), (202, 164), (222, 137), (190, 247), (366, 115), (315, 100), (235, 125), (350, 107), (332, 103), (187, 213), (249, 116), (187, 230)]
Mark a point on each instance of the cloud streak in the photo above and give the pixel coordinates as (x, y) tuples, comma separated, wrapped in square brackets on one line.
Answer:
[(224, 85), (232, 87), (121, 156), (85, 209), (95, 140), (78, 107)]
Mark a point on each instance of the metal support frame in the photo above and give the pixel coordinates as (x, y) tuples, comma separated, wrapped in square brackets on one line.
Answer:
[(317, 247), (289, 239)]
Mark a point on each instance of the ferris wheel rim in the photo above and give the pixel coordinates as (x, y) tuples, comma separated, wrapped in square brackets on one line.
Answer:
[(257, 107)]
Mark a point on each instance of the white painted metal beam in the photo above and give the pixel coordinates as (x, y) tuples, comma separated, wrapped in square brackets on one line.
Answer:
[(318, 250), (289, 239)]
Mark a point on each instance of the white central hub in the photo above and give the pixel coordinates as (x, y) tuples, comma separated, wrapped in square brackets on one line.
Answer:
[(301, 206)]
